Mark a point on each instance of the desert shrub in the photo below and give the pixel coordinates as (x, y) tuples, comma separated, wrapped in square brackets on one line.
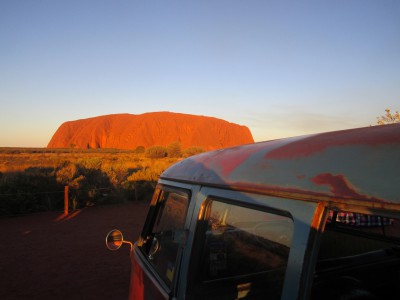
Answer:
[(66, 172), (85, 179), (141, 182), (192, 151), (140, 150), (139, 189), (116, 173), (34, 180), (33, 190), (88, 185), (90, 162), (156, 152), (174, 150), (144, 190)]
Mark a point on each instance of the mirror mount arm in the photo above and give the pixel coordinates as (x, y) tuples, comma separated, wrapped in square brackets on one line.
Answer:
[(129, 243)]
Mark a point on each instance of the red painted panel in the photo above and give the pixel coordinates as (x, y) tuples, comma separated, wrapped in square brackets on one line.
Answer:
[(143, 286)]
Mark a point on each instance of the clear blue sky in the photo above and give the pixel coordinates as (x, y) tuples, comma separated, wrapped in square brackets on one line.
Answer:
[(282, 68)]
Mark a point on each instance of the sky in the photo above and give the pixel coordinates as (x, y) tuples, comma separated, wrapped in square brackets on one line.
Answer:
[(281, 68)]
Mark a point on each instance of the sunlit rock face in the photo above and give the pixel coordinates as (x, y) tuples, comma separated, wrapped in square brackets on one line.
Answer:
[(128, 131)]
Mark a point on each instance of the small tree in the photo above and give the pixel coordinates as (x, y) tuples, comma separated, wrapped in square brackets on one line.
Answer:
[(389, 118)]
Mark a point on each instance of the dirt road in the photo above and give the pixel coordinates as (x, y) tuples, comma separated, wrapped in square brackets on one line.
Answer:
[(48, 256)]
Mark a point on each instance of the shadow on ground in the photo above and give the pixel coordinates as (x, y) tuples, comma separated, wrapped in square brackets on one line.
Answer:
[(49, 256)]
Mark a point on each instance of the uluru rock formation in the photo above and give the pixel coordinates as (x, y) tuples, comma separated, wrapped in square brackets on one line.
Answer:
[(128, 131)]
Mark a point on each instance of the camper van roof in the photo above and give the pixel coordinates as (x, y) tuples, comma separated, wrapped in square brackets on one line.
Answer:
[(357, 165)]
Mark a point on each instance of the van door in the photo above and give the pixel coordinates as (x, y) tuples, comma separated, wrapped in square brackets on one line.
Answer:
[(157, 255), (248, 246)]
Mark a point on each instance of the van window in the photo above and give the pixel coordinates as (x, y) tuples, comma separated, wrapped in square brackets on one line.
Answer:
[(244, 252), (161, 241), (359, 255)]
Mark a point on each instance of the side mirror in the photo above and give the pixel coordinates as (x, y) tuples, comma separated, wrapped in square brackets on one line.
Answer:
[(115, 239)]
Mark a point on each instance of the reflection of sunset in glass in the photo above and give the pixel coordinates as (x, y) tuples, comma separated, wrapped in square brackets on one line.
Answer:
[(116, 239)]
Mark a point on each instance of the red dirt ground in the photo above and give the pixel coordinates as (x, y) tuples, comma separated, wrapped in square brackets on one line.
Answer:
[(45, 256)]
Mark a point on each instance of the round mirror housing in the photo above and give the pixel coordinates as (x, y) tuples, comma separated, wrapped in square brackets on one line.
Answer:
[(114, 239)]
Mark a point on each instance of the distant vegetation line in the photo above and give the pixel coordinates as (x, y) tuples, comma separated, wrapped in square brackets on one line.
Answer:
[(33, 179)]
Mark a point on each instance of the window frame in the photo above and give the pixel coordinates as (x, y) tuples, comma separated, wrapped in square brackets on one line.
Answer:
[(149, 225), (201, 234)]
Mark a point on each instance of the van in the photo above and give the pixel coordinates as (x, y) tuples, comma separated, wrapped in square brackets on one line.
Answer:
[(310, 217)]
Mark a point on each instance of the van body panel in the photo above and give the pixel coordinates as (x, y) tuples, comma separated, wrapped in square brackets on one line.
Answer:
[(345, 164)]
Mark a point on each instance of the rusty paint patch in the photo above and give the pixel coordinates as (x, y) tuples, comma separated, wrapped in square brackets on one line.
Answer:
[(232, 159), (340, 186)]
